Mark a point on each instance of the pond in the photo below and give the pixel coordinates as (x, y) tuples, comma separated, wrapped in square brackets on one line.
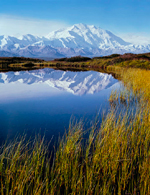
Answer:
[(45, 100)]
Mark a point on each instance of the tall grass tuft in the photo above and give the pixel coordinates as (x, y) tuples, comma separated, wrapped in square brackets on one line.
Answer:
[(23, 167)]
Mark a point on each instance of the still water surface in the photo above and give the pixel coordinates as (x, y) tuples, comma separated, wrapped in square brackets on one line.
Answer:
[(43, 101)]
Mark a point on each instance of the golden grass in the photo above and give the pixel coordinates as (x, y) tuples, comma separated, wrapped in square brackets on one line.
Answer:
[(138, 80), (114, 159), (22, 167)]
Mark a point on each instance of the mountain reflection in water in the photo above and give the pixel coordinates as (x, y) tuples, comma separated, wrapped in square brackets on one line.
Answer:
[(44, 100)]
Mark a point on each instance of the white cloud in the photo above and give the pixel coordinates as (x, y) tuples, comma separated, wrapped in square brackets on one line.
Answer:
[(14, 25), (135, 38)]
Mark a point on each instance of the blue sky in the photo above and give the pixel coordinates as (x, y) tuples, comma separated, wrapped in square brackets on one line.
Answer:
[(122, 17)]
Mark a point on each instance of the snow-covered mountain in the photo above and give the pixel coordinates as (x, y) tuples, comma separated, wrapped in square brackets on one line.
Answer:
[(78, 83), (79, 39)]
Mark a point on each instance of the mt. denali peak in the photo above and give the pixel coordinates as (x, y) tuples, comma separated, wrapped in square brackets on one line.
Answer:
[(84, 36)]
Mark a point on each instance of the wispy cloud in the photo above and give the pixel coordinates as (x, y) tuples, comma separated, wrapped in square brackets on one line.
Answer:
[(135, 38), (15, 25)]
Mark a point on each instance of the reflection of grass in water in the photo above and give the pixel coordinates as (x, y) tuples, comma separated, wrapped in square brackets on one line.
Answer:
[(113, 160)]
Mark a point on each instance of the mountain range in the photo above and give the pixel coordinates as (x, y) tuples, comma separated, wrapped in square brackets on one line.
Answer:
[(79, 39), (78, 83)]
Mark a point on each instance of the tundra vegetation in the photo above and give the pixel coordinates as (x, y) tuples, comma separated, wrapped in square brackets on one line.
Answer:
[(104, 63), (114, 159)]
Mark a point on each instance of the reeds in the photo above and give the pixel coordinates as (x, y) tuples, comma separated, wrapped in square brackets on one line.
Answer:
[(22, 167), (114, 159)]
